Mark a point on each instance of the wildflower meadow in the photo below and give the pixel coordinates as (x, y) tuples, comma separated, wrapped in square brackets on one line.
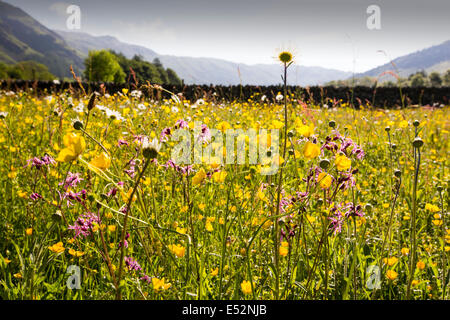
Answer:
[(124, 196)]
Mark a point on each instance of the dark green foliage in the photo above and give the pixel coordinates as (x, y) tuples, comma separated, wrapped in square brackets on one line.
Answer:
[(145, 71), (435, 79), (173, 77), (103, 66), (447, 78), (3, 71), (418, 79), (26, 70)]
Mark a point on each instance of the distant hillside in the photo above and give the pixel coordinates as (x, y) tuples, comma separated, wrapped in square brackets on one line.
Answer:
[(23, 38), (207, 70), (436, 58)]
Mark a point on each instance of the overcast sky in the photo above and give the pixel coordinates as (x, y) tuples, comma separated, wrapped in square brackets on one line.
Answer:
[(327, 33)]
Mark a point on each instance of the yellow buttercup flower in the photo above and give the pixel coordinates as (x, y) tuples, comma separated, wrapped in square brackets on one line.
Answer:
[(305, 130), (177, 249), (214, 272), (405, 251), (75, 146), (209, 227), (391, 274), (311, 150), (432, 208), (29, 231), (284, 248), (75, 253), (219, 176), (390, 261), (420, 265), (324, 180), (57, 247), (246, 287), (342, 163), (199, 177), (160, 284), (403, 124), (102, 161), (223, 126)]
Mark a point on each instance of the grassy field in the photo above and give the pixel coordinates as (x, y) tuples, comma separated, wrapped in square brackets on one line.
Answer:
[(93, 208)]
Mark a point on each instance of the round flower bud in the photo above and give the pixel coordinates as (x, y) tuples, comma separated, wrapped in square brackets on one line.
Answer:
[(324, 163), (269, 153), (320, 201), (387, 129), (439, 189), (332, 124), (394, 146), (77, 125), (151, 149), (397, 173), (290, 134), (150, 153), (57, 216), (416, 123), (368, 207), (291, 152), (417, 143)]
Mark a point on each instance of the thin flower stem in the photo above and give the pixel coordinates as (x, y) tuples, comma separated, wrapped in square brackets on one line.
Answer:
[(122, 243), (412, 265)]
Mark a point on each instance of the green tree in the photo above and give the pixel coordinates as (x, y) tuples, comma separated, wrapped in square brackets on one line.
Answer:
[(418, 80), (31, 70), (143, 70), (435, 79), (447, 78), (162, 72), (173, 77), (14, 72), (103, 66), (3, 71)]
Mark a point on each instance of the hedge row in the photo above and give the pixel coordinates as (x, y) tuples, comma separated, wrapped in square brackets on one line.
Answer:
[(381, 97)]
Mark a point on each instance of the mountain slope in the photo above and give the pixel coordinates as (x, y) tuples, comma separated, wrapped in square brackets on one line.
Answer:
[(23, 38), (207, 70), (435, 58)]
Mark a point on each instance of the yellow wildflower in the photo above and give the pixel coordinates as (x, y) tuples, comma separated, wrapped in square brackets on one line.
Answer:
[(342, 163), (311, 150), (75, 146), (246, 287)]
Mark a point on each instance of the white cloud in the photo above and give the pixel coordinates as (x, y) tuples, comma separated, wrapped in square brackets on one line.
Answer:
[(60, 8)]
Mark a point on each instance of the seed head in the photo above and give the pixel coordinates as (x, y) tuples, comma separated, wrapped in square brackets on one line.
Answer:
[(417, 143)]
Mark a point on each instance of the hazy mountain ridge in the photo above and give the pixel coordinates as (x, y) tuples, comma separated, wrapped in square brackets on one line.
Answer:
[(435, 58), (207, 70), (24, 38)]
